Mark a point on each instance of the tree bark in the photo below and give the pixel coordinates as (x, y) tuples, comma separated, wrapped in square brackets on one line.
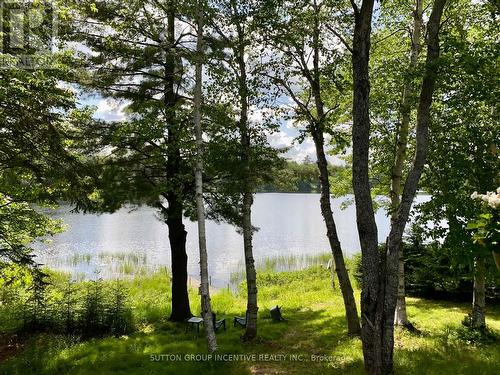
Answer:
[(206, 308), (479, 294), (401, 317), (367, 228), (174, 211), (177, 237), (380, 273), (398, 223), (246, 210), (351, 310), (251, 274)]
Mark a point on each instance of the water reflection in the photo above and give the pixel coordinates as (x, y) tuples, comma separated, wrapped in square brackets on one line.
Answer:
[(129, 242)]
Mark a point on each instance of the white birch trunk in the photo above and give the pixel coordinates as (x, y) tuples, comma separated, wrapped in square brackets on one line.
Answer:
[(401, 318), (204, 286)]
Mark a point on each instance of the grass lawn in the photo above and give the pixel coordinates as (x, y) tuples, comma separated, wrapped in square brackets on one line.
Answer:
[(315, 326)]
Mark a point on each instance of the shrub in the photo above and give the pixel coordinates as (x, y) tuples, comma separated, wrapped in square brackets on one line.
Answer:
[(88, 309), (93, 312), (431, 270), (465, 333), (36, 314), (356, 269), (118, 317)]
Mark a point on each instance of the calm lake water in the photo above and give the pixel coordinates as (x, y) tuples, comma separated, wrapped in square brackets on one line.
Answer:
[(129, 242)]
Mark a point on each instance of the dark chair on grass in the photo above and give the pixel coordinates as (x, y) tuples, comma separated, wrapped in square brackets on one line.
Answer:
[(218, 323), (241, 321), (276, 314)]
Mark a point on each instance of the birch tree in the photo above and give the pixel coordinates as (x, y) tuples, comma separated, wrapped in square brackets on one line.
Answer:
[(206, 308), (238, 87), (401, 317)]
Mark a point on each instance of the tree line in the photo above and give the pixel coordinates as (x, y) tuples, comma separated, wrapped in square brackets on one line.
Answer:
[(294, 177)]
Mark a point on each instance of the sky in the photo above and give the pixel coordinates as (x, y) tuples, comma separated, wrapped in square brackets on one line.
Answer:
[(286, 137), (109, 110)]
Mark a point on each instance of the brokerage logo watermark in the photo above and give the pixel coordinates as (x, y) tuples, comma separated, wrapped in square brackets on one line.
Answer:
[(28, 31), (250, 357)]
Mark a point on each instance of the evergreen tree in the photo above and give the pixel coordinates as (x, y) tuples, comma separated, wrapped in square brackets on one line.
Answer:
[(137, 53), (238, 85)]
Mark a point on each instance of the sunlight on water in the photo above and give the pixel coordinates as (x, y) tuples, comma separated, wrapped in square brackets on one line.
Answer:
[(291, 235)]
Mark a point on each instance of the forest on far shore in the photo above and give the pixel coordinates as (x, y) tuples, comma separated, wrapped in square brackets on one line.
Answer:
[(294, 177)]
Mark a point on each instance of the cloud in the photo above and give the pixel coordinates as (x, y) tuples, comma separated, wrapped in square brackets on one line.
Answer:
[(110, 110), (280, 139), (299, 151)]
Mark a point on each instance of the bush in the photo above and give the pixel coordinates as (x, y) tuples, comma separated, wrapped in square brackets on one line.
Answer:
[(431, 272), (465, 333), (89, 309), (357, 270), (117, 316), (37, 316), (357, 267)]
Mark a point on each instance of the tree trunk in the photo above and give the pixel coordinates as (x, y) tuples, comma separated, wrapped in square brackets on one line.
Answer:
[(479, 294), (246, 211), (177, 236), (251, 275), (398, 223), (316, 129), (380, 273), (351, 310), (206, 308), (174, 212), (367, 228), (401, 318)]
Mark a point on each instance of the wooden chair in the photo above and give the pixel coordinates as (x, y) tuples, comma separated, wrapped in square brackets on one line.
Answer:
[(241, 321), (218, 323)]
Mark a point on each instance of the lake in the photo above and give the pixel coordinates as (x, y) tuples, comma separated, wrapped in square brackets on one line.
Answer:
[(291, 230)]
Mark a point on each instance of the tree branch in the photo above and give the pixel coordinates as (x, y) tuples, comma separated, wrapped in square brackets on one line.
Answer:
[(340, 37)]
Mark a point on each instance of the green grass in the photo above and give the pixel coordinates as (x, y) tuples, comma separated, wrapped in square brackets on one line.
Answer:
[(280, 263), (78, 259), (124, 257), (121, 263), (315, 326)]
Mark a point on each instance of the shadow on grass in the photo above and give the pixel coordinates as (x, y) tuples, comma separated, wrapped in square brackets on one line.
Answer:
[(492, 310), (306, 333), (448, 360), (281, 348), (442, 348), (318, 330)]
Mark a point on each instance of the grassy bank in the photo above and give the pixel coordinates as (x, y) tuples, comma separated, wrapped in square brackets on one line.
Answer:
[(315, 326)]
